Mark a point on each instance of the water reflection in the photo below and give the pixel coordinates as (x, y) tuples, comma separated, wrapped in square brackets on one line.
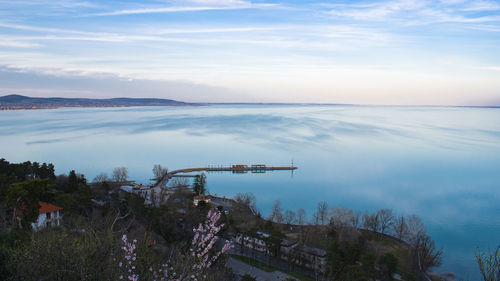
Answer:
[(439, 163)]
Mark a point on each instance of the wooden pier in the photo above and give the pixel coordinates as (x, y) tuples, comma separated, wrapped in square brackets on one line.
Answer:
[(233, 168), (259, 168)]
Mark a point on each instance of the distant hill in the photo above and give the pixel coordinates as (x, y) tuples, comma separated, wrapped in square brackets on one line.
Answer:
[(24, 102)]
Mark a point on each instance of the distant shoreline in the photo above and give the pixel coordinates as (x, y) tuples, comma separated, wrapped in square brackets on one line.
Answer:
[(18, 102), (2, 108)]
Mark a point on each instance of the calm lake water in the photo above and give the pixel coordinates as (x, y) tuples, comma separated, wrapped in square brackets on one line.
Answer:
[(442, 164)]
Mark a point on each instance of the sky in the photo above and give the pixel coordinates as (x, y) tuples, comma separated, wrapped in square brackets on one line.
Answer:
[(390, 52)]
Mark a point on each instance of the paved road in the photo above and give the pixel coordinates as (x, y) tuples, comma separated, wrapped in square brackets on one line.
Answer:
[(242, 268)]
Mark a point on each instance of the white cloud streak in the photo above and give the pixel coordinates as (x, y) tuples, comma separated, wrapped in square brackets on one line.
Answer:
[(238, 5), (45, 29), (415, 12), (64, 4), (333, 37), (476, 6), (17, 44)]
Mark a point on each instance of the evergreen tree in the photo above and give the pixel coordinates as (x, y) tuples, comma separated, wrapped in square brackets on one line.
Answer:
[(24, 197), (199, 184), (72, 182)]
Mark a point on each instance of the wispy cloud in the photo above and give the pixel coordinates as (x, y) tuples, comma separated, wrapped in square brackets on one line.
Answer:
[(491, 68), (212, 30), (482, 6), (5, 42), (44, 29), (51, 3), (419, 12), (485, 27), (144, 31), (378, 11), (318, 37), (204, 6)]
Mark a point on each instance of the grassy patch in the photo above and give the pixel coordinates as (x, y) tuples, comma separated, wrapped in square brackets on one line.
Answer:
[(299, 276), (267, 268), (256, 263)]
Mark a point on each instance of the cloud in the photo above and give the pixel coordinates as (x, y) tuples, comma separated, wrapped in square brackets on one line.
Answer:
[(482, 6), (45, 29), (490, 68), (67, 83), (215, 2), (415, 12), (205, 6), (51, 3), (12, 42), (378, 11), (317, 37), (212, 30)]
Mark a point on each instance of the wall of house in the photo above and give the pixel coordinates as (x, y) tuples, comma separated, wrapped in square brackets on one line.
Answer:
[(43, 221)]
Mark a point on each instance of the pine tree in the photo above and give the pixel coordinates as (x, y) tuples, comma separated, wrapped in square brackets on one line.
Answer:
[(199, 184)]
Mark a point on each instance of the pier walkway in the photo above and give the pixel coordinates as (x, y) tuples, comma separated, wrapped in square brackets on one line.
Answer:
[(234, 168)]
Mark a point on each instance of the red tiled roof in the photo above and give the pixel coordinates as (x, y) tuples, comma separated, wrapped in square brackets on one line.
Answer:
[(47, 208), (44, 208)]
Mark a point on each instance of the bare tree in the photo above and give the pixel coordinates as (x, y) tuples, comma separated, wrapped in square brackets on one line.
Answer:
[(415, 228), (247, 199), (343, 221), (289, 217), (355, 219), (370, 221), (427, 255), (321, 214), (385, 218), (489, 264), (340, 217), (301, 216), (159, 171), (400, 228), (102, 177), (277, 212), (301, 221), (120, 174)]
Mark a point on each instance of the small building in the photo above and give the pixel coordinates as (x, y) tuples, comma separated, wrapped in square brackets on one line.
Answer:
[(290, 251), (198, 198), (256, 243), (304, 255), (48, 215)]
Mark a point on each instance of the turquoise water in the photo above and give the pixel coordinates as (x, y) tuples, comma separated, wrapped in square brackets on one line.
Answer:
[(442, 164)]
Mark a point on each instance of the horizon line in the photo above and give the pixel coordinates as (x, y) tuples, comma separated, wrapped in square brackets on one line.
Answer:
[(269, 103)]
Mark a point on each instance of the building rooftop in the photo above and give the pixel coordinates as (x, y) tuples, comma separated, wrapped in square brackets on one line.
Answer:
[(47, 208)]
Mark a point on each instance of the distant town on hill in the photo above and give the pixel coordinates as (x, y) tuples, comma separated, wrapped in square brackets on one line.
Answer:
[(11, 102)]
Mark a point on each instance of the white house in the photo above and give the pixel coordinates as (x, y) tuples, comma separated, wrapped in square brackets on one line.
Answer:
[(256, 243), (48, 215)]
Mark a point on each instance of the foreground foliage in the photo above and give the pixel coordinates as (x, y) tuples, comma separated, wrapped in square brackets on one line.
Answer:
[(489, 264)]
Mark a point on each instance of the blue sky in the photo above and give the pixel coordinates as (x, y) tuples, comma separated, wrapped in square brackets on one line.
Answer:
[(364, 52)]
